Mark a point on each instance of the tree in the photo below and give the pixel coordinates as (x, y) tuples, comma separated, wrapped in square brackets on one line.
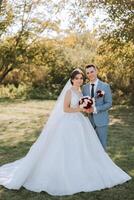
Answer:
[(25, 17), (116, 66), (6, 17), (118, 20), (121, 20)]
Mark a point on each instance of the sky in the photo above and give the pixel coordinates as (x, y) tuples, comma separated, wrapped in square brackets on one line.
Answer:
[(45, 11)]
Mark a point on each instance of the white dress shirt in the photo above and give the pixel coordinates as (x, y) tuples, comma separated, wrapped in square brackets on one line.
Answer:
[(95, 87)]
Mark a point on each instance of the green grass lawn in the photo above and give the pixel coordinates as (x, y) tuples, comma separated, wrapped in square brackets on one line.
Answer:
[(22, 121)]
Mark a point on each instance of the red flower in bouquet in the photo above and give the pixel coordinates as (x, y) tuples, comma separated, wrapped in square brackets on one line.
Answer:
[(100, 93), (86, 102)]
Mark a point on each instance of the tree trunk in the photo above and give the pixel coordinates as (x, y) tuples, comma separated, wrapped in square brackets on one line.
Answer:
[(5, 73)]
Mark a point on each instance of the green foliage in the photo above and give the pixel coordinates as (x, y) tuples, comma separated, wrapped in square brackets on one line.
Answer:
[(41, 66), (47, 64), (116, 66), (121, 15), (118, 22), (11, 92), (6, 16), (14, 49)]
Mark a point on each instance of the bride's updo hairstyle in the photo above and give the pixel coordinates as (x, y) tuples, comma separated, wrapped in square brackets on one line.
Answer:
[(75, 73)]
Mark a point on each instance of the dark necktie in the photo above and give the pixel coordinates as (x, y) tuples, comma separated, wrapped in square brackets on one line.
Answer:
[(92, 90)]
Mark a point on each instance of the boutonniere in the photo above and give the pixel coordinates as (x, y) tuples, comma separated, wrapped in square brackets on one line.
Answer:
[(100, 93)]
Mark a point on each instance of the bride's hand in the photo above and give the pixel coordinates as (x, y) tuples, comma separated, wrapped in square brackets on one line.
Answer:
[(85, 110), (81, 109), (90, 110)]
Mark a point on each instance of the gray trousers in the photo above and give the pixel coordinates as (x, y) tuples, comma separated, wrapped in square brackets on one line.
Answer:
[(101, 132)]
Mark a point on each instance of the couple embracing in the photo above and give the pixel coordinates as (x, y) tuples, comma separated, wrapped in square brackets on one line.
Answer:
[(70, 155)]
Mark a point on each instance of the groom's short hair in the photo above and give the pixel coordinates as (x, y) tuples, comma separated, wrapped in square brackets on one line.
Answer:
[(89, 66)]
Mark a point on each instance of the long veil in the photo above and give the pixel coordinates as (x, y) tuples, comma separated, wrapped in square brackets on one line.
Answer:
[(57, 112), (13, 175)]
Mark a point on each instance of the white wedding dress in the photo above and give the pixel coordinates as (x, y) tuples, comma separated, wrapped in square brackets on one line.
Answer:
[(67, 159)]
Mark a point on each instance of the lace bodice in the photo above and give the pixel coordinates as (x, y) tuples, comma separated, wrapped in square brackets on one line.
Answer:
[(75, 97)]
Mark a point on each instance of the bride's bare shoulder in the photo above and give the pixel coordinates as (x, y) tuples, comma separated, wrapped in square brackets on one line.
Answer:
[(68, 92), (68, 95)]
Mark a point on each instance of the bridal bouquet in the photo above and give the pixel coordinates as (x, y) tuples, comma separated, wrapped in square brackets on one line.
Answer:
[(86, 102)]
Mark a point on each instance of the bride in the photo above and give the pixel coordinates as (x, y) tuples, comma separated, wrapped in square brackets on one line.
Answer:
[(67, 157)]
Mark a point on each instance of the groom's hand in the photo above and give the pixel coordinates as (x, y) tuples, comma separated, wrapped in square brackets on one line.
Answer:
[(90, 110)]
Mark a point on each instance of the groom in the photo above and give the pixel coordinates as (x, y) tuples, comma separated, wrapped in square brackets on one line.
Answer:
[(101, 93)]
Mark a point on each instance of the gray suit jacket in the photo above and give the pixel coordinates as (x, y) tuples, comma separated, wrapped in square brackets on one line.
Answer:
[(102, 104)]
